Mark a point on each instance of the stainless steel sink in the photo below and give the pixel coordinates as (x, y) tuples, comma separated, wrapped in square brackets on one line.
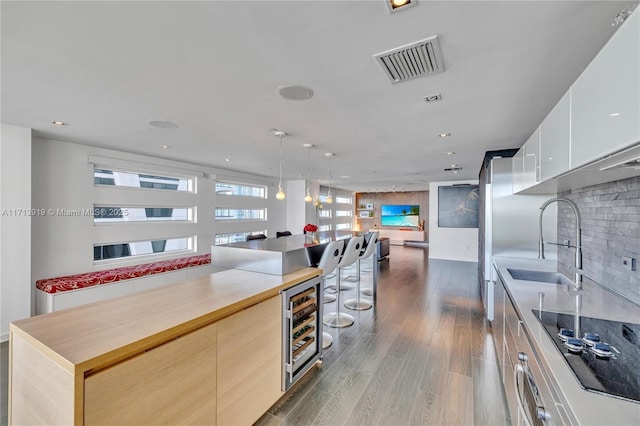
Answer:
[(539, 276)]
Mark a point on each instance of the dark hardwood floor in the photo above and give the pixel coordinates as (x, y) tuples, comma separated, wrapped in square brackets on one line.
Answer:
[(423, 356)]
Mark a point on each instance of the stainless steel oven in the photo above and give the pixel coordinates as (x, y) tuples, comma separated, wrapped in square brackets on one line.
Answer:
[(301, 329)]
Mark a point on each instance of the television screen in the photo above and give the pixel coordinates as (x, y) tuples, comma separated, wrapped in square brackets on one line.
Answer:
[(399, 215)]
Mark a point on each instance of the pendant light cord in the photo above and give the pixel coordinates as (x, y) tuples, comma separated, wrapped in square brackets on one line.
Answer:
[(280, 183)]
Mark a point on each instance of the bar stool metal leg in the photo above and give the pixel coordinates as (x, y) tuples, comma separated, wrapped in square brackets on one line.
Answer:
[(357, 304), (338, 319)]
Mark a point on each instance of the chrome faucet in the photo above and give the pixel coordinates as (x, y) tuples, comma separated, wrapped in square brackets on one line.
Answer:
[(578, 246)]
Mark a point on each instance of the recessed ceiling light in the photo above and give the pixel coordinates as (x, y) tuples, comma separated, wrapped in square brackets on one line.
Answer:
[(454, 168), (295, 92), (165, 146), (450, 153), (614, 114), (228, 160), (396, 5), (433, 98), (163, 124), (444, 135), (59, 123), (345, 177)]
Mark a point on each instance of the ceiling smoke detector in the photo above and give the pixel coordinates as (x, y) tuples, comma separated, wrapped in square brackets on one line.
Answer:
[(295, 93), (412, 60)]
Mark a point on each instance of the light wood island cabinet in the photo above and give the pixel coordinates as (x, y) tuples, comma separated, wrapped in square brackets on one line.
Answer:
[(249, 363), (207, 351), (177, 379)]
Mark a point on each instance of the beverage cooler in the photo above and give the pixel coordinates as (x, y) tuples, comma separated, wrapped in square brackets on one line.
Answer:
[(301, 329)]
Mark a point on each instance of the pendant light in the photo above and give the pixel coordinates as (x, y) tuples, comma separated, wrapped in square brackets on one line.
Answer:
[(308, 198), (280, 195), (329, 196)]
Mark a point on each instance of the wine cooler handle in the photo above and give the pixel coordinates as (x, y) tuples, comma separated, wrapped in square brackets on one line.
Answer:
[(290, 341)]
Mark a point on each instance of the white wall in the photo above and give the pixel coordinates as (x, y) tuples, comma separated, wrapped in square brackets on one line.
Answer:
[(15, 225), (296, 207), (63, 179), (450, 243)]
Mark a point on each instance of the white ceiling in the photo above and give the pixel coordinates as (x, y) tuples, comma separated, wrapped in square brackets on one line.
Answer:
[(107, 68)]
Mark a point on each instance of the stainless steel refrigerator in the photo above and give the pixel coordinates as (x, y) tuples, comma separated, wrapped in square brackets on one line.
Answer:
[(508, 221)]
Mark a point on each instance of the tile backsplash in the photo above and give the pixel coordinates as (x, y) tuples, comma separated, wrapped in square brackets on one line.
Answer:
[(610, 231)]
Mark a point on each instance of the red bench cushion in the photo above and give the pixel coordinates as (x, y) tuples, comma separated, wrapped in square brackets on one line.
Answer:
[(74, 282)]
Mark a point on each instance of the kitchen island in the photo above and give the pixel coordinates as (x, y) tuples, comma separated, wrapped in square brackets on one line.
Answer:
[(276, 255), (518, 319), (203, 351)]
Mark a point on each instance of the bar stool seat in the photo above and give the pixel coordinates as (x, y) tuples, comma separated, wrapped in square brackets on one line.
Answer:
[(357, 304), (340, 319), (328, 262)]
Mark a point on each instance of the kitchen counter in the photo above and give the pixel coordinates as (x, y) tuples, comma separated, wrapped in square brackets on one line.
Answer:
[(95, 334), (130, 360), (597, 302)]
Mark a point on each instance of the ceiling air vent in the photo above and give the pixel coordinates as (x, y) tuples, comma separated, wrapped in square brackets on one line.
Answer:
[(411, 60)]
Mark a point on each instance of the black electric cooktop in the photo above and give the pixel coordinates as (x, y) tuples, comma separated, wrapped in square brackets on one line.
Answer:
[(605, 357)]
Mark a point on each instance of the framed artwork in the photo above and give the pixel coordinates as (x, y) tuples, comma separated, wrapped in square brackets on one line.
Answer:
[(364, 214), (369, 206), (458, 206)]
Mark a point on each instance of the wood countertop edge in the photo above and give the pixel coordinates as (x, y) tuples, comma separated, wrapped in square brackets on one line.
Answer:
[(91, 365)]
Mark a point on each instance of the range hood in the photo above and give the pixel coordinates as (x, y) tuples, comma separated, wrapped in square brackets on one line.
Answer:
[(621, 165), (634, 163)]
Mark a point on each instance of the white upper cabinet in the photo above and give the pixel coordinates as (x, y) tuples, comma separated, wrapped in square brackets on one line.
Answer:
[(518, 171), (605, 100), (554, 140), (531, 151)]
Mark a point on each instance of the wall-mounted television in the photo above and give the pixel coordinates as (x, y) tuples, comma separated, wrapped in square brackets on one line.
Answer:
[(399, 215)]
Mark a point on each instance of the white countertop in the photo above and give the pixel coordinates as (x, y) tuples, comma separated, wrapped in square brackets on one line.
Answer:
[(597, 302)]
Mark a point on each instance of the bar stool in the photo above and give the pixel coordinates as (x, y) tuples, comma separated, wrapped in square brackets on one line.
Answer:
[(351, 253), (357, 304), (328, 262)]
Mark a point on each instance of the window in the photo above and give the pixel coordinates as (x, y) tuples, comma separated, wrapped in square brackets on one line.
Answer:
[(324, 227), (234, 237), (344, 213), (343, 226), (140, 248), (325, 213), (108, 214), (227, 188), (224, 214), (102, 176), (343, 199)]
